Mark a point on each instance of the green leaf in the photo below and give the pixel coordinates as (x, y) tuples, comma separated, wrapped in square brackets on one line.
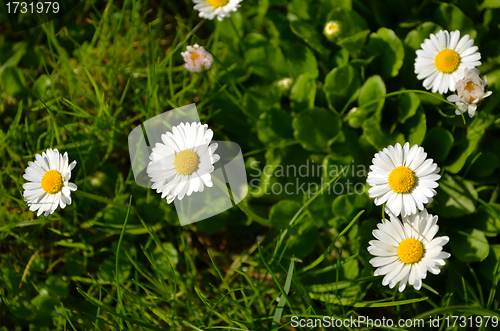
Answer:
[(41, 87), (350, 22), (451, 17), (484, 165), (13, 82), (487, 267), (282, 213), (389, 52), (303, 92), (107, 269), (57, 287), (372, 89), (416, 37), (315, 128), (487, 219), (166, 258), (469, 245), (491, 4), (475, 132), (340, 84), (438, 143), (354, 44), (377, 137), (455, 197), (348, 205), (261, 54), (299, 59), (408, 105), (415, 128), (274, 126), (309, 34)]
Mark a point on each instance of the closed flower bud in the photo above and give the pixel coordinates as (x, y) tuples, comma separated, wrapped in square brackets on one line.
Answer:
[(332, 30), (470, 91), (197, 59)]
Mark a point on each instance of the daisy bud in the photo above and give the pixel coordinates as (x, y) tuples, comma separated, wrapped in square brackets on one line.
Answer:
[(470, 91), (285, 84), (197, 59), (331, 30)]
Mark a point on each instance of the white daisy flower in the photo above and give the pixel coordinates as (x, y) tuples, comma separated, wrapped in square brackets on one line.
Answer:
[(49, 184), (443, 58), (405, 252), (470, 92), (183, 163), (404, 178), (197, 58), (220, 8)]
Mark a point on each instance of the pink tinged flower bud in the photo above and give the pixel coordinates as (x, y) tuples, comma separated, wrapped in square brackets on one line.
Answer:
[(197, 58), (470, 91)]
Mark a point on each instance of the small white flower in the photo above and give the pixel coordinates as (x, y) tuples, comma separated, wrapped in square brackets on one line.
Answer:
[(49, 185), (183, 163), (404, 178), (470, 92), (285, 84), (405, 252), (443, 58), (332, 29), (197, 58), (221, 8)]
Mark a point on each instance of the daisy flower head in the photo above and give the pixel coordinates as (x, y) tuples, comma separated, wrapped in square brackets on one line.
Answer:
[(443, 58), (404, 178), (470, 91), (332, 29), (404, 252), (221, 8), (48, 185), (197, 58), (182, 164)]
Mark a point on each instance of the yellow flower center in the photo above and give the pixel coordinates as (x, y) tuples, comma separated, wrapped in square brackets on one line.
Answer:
[(52, 182), (470, 87), (401, 180), (410, 250), (186, 162), (447, 61), (332, 27), (194, 56), (217, 3)]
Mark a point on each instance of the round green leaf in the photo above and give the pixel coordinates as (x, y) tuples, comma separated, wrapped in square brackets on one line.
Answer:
[(415, 128), (303, 92), (455, 197), (282, 213), (488, 266), (389, 52), (348, 205), (408, 105), (470, 245), (484, 165), (274, 126), (372, 89), (438, 143), (340, 84), (377, 137), (488, 219), (315, 128)]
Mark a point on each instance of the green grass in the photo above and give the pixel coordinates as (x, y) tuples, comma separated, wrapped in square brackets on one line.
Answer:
[(117, 258)]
